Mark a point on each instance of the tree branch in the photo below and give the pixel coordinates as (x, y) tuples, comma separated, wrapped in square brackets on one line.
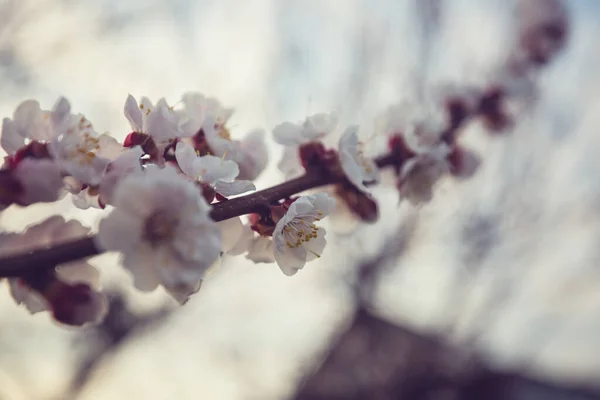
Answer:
[(44, 258)]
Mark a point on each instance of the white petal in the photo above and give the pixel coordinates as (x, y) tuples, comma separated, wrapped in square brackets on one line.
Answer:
[(11, 140), (315, 246), (290, 260), (140, 262), (185, 156), (243, 242), (211, 169), (231, 230), (119, 231), (319, 125), (133, 114), (79, 272), (22, 294), (261, 250), (323, 202), (288, 134), (290, 164), (254, 155), (353, 171), (163, 124), (60, 113), (41, 180), (232, 188), (110, 148)]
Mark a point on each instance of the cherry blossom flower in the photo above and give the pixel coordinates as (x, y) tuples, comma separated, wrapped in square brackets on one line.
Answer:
[(314, 128), (420, 125), (358, 168), (197, 108), (420, 173), (40, 181), (214, 171), (253, 155), (162, 227), (82, 152), (72, 293), (30, 122), (296, 238), (127, 163), (293, 135), (258, 248), (160, 122), (208, 115)]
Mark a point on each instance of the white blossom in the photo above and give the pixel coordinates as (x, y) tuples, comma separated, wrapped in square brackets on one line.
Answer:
[(314, 128), (82, 152), (30, 122), (253, 155), (357, 167), (162, 227), (420, 173), (52, 231), (420, 125), (159, 121), (208, 114), (211, 170), (127, 163), (197, 108), (40, 180), (290, 164), (259, 249), (296, 237)]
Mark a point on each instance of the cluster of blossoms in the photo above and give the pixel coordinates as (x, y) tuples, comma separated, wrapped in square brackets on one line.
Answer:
[(180, 193)]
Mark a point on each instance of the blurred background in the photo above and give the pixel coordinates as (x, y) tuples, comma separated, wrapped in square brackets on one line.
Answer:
[(506, 261)]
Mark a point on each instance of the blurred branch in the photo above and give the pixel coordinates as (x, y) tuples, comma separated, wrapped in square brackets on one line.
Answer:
[(377, 360)]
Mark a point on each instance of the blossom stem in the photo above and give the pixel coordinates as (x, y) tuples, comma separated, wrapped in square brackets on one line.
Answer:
[(42, 259)]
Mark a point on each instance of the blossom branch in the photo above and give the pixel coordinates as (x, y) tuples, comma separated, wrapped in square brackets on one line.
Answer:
[(45, 258)]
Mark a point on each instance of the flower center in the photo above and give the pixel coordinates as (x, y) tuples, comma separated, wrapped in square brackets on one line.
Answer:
[(302, 230), (160, 228), (363, 161), (224, 133)]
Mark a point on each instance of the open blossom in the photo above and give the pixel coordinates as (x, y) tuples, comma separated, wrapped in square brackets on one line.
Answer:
[(30, 122), (72, 293), (420, 173), (258, 248), (293, 135), (296, 238), (421, 126), (314, 128), (214, 171), (197, 108), (159, 121), (253, 155), (357, 167), (98, 196), (162, 227), (39, 180), (210, 116), (83, 153)]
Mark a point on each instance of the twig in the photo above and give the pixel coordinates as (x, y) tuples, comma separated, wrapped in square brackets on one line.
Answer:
[(44, 258)]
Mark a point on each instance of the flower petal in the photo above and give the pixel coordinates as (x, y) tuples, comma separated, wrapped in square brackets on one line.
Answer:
[(119, 231), (186, 156), (288, 134), (261, 250), (11, 140), (134, 114)]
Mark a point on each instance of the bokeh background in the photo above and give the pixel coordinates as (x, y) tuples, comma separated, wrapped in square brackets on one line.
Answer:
[(506, 261)]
